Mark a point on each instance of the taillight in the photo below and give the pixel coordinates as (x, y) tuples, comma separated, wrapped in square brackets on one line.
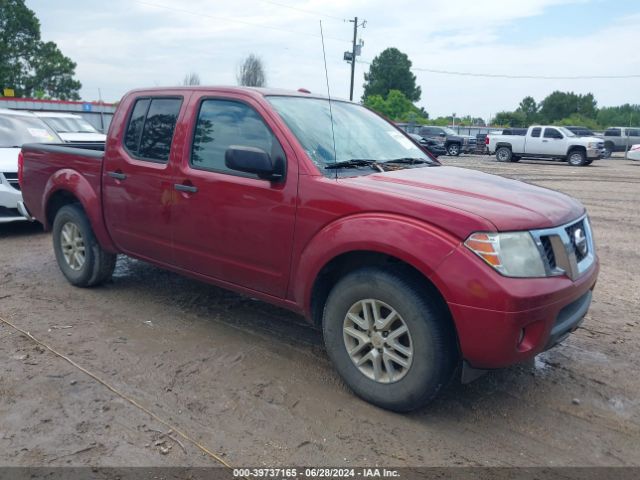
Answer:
[(486, 140), (20, 167)]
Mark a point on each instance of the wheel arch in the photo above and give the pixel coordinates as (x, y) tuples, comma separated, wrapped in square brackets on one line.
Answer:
[(67, 187)]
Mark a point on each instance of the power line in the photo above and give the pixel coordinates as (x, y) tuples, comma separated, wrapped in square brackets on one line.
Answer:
[(530, 77), (234, 20)]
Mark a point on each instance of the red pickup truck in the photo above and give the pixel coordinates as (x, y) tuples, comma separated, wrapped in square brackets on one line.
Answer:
[(414, 271)]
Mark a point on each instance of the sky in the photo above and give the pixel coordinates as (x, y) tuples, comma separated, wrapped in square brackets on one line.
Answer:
[(119, 45)]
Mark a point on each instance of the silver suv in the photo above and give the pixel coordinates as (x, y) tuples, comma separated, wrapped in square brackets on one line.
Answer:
[(616, 139)]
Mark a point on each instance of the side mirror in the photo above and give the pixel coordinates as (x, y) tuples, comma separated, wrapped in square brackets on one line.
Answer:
[(252, 160)]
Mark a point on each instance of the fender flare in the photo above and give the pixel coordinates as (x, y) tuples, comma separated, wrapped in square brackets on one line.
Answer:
[(72, 182), (417, 243)]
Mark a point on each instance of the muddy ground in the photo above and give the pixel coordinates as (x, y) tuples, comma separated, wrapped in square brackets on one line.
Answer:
[(252, 383)]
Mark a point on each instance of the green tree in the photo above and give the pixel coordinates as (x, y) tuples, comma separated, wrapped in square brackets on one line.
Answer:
[(622, 115), (529, 108), (559, 105), (391, 70), (397, 107), (510, 119), (27, 64)]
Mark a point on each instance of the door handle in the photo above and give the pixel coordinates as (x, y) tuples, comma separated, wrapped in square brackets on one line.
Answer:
[(185, 188), (117, 175)]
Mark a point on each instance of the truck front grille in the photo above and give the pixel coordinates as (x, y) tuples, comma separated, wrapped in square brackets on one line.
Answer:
[(12, 179), (567, 249)]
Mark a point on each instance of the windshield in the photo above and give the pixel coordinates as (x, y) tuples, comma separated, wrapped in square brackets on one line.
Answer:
[(17, 130), (70, 125), (359, 133), (567, 132)]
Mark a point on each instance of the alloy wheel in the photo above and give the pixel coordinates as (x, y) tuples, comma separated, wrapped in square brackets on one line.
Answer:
[(72, 244), (378, 341)]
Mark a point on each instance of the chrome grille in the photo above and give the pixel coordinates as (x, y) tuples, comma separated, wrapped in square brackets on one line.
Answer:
[(560, 251)]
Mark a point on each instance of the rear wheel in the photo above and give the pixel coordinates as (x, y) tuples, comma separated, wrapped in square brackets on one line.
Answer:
[(453, 149), (577, 158), (390, 340), (82, 260), (504, 154)]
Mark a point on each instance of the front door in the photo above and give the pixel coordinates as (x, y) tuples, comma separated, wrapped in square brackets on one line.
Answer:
[(553, 142), (229, 225), (137, 183)]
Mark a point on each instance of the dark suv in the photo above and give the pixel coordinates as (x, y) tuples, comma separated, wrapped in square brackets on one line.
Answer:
[(455, 144)]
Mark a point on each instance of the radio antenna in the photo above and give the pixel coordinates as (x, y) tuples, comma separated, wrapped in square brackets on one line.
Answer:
[(326, 74)]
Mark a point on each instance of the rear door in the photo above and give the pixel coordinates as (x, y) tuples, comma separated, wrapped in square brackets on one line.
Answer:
[(229, 225), (532, 143), (138, 178)]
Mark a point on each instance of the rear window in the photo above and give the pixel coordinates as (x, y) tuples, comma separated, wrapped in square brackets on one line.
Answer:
[(151, 127), (634, 132), (613, 132), (16, 130)]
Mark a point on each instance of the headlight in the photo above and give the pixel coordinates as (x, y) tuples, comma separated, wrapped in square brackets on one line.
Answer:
[(592, 145), (512, 254)]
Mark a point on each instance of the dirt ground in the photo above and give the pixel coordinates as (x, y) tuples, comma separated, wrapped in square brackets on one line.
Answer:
[(252, 382)]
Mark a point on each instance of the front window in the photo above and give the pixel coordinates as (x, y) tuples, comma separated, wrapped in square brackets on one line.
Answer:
[(359, 133), (16, 130)]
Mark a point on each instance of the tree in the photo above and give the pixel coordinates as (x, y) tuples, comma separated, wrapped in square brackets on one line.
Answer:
[(391, 70), (191, 79), (510, 119), (529, 108), (559, 105), (251, 72), (397, 107), (27, 64)]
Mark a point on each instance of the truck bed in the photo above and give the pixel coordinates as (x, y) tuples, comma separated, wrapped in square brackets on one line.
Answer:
[(46, 164)]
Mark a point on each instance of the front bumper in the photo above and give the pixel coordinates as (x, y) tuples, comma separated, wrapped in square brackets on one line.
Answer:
[(595, 153), (9, 198), (501, 321)]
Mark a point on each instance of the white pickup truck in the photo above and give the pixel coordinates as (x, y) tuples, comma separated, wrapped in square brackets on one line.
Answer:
[(544, 142)]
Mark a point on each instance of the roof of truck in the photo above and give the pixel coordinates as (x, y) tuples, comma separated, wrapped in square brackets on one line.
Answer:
[(256, 91)]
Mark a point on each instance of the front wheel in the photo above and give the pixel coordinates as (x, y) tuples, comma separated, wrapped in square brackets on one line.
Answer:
[(453, 150), (577, 158), (390, 339), (82, 260)]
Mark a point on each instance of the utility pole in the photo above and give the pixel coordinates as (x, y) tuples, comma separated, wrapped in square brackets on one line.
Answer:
[(355, 51)]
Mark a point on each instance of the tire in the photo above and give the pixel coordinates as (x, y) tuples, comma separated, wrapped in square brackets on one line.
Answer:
[(608, 149), (577, 158), (504, 154), (588, 162), (514, 158), (82, 260), (431, 339), (453, 149)]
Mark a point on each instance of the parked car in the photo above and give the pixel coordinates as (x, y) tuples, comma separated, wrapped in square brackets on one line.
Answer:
[(433, 147), (616, 139), (634, 152), (582, 131), (413, 270), (546, 142), (72, 128), (455, 144), (16, 128)]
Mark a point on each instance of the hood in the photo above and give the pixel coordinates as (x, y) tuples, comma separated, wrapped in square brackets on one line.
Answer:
[(591, 139), (9, 159), (507, 204), (82, 137)]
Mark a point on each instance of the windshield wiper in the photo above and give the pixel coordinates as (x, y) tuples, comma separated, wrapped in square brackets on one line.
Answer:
[(354, 162), (409, 161)]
